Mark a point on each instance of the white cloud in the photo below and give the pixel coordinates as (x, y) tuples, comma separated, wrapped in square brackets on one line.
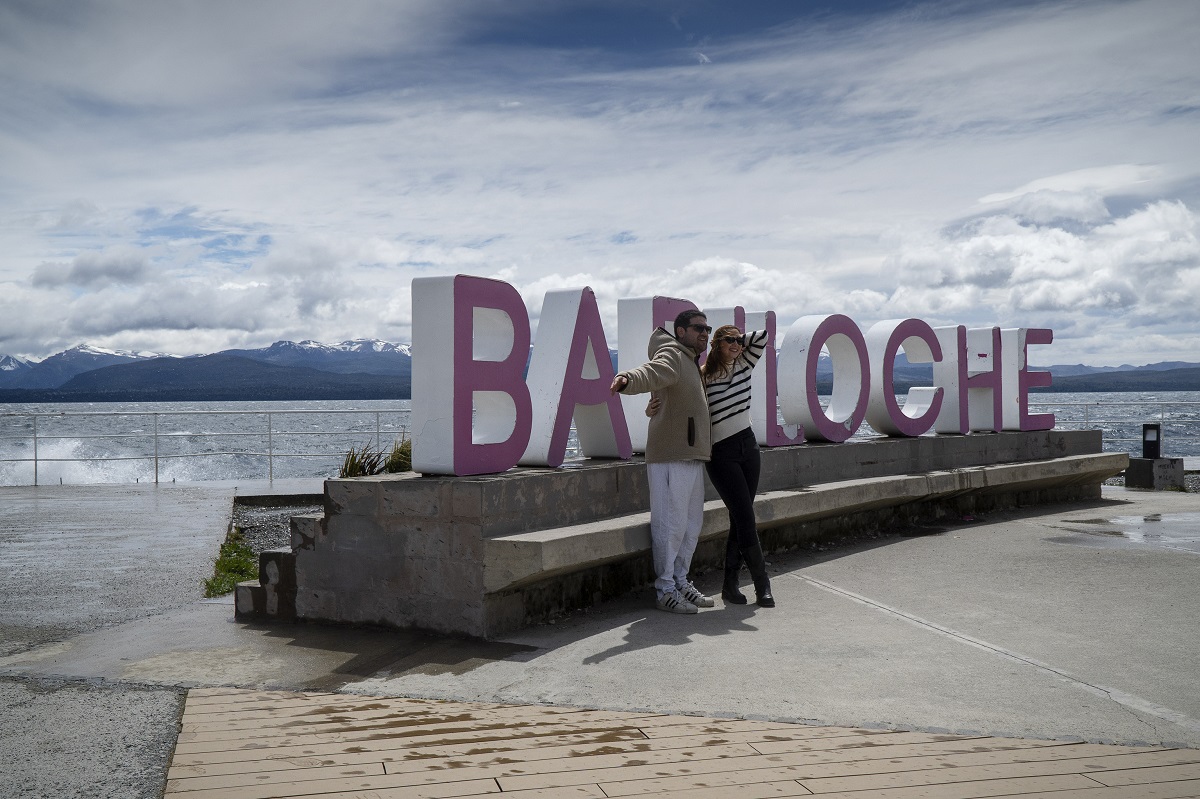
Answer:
[(1084, 182), (1014, 165), (131, 54), (1133, 276)]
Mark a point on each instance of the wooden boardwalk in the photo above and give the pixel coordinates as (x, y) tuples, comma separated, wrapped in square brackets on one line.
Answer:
[(256, 745)]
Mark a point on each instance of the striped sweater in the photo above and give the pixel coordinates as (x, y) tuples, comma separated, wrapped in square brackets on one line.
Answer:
[(729, 395)]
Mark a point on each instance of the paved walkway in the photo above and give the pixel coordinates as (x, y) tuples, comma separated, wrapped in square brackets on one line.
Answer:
[(1039, 631), (259, 745)]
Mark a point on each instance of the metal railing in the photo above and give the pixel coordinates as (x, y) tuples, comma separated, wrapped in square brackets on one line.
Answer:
[(25, 436), (31, 433), (1180, 422)]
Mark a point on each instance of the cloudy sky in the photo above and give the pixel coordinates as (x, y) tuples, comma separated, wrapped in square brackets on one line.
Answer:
[(186, 177)]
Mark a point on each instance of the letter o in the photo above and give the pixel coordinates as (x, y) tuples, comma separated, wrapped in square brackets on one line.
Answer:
[(798, 358)]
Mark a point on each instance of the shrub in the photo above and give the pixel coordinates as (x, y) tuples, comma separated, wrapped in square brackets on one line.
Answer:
[(400, 458), (367, 461), (362, 462)]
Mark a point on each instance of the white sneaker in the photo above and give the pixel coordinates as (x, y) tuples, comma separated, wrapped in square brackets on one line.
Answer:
[(692, 594), (673, 602)]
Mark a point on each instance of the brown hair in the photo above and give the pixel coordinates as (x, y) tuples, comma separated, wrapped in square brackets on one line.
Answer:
[(684, 319), (714, 367)]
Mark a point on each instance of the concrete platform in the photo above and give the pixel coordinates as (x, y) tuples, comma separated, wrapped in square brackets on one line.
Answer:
[(487, 554), (1059, 623)]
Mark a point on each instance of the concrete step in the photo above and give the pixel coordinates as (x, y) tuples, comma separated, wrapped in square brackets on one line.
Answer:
[(308, 530), (518, 559), (273, 595)]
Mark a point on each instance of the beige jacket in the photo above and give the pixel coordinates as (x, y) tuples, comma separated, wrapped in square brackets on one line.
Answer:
[(680, 431)]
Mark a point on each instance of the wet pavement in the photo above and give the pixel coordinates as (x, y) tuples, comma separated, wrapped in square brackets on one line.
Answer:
[(1063, 622), (1178, 532), (79, 558)]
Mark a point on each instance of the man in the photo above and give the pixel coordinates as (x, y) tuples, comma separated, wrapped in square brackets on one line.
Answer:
[(677, 447)]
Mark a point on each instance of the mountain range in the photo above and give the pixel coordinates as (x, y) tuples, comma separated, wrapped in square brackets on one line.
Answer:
[(373, 369), (286, 370), (1161, 376)]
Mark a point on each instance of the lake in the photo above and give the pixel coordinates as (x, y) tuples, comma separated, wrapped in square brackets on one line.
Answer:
[(187, 441)]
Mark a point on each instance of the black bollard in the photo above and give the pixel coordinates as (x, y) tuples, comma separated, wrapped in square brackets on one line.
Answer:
[(1152, 440)]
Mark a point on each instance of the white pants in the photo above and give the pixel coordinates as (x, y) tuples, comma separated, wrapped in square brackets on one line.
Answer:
[(676, 515)]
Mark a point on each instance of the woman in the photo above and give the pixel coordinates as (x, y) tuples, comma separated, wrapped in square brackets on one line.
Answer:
[(735, 463)]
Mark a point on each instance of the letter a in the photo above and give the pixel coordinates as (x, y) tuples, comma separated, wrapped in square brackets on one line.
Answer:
[(569, 378)]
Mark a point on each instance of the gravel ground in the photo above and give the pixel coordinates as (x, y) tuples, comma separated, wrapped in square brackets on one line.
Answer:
[(83, 740), (268, 528)]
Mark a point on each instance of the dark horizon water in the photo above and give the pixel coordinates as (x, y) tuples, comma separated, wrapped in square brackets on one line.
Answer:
[(233, 438)]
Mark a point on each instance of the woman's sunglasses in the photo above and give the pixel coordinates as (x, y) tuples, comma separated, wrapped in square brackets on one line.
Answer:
[(730, 339)]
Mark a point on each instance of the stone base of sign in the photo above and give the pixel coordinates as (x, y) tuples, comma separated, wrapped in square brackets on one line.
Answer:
[(484, 555), (1159, 474)]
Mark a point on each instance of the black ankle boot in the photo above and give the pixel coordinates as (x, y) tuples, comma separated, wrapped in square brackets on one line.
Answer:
[(758, 572), (762, 593), (730, 591)]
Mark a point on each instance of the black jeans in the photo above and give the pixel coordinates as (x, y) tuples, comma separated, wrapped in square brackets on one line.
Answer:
[(734, 470)]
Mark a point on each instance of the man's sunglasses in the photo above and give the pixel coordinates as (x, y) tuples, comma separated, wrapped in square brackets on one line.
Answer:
[(701, 328), (730, 339)]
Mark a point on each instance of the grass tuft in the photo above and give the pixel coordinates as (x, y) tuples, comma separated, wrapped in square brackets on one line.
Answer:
[(235, 563), (366, 461), (362, 462), (400, 458)]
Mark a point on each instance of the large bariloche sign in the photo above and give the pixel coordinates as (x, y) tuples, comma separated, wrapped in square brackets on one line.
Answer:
[(473, 412)]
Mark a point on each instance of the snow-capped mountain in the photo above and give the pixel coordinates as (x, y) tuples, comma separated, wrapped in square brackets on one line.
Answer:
[(107, 369), (370, 368), (11, 363), (359, 346), (366, 356), (61, 367)]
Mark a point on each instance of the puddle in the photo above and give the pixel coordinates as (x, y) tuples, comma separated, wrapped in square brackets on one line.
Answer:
[(1177, 532)]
